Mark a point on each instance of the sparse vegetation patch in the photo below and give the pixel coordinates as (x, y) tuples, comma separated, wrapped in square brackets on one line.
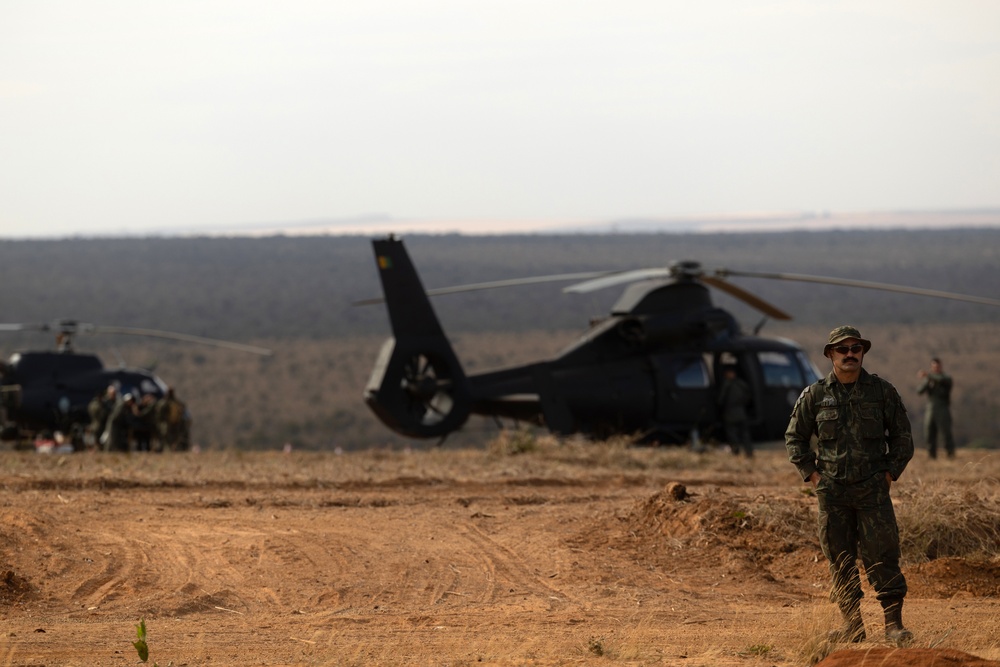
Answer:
[(941, 519)]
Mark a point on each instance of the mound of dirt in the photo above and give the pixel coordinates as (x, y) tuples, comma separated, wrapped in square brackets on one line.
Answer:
[(13, 588), (908, 657), (759, 527), (949, 577), (765, 536)]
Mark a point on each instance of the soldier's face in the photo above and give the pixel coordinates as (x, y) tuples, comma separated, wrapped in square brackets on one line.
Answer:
[(849, 361)]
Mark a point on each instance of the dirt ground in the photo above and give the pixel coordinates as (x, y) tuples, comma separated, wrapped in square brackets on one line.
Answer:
[(577, 553)]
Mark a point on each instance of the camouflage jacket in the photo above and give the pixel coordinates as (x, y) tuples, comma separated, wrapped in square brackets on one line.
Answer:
[(859, 431)]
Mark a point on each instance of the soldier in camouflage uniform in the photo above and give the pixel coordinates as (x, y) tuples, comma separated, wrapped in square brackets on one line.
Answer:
[(99, 410), (118, 432), (172, 423), (863, 445), (937, 419), (734, 400)]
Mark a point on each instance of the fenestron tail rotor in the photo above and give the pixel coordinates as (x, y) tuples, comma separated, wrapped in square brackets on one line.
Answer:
[(417, 388), (428, 390)]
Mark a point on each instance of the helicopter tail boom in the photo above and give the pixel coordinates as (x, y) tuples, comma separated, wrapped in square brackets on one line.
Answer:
[(418, 387)]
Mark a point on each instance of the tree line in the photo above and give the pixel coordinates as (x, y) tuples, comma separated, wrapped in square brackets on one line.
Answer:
[(304, 287)]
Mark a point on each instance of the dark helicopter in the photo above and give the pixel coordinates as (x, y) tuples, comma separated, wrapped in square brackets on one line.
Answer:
[(650, 370), (48, 391)]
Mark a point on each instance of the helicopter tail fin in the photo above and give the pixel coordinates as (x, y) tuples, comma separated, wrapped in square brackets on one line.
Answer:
[(418, 387)]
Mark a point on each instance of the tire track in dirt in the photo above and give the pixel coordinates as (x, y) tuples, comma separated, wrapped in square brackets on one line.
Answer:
[(205, 564), (188, 561), (101, 562), (508, 575), (193, 563), (326, 561)]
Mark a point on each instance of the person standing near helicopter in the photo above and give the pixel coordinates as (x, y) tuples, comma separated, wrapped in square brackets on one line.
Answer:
[(172, 422), (118, 432), (734, 401), (142, 422), (863, 445), (937, 385), (99, 409)]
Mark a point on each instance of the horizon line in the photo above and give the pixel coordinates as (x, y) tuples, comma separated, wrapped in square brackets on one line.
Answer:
[(709, 223)]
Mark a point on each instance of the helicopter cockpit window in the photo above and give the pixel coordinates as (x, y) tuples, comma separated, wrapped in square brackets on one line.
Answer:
[(780, 370), (810, 367), (692, 374), (150, 387)]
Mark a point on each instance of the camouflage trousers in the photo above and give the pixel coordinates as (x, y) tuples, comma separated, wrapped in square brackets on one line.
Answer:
[(858, 520)]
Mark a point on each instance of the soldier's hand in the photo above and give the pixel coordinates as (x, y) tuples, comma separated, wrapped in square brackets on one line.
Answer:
[(921, 373), (888, 479), (814, 478)]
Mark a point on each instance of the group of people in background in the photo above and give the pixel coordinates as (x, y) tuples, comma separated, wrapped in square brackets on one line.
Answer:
[(127, 423)]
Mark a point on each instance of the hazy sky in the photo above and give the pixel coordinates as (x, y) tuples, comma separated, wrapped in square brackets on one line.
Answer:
[(118, 115)]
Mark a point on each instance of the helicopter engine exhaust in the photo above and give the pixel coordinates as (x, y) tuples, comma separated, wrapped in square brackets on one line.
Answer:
[(673, 328), (417, 387)]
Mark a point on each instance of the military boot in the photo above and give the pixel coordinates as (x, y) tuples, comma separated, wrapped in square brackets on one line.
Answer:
[(894, 630), (853, 629)]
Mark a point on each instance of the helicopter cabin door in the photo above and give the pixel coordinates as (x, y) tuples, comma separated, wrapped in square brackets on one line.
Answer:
[(684, 400)]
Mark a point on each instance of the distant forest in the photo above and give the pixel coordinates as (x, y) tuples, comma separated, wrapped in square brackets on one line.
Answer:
[(303, 287), (295, 295)]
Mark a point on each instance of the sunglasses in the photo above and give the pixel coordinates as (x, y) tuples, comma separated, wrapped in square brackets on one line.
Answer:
[(853, 349)]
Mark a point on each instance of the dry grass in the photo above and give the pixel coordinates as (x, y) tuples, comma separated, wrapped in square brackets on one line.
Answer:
[(941, 519)]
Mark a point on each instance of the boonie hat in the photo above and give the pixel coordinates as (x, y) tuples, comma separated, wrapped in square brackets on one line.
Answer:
[(843, 333)]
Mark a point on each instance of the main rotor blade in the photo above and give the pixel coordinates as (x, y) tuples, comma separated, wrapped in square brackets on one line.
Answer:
[(180, 336), (495, 284), (618, 278), (24, 327), (746, 297), (59, 326), (863, 284)]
